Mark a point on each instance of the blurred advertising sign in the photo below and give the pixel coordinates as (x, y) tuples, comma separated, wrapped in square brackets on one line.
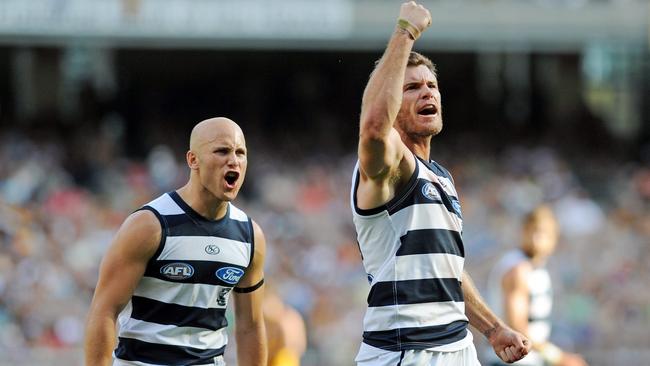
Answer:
[(177, 19)]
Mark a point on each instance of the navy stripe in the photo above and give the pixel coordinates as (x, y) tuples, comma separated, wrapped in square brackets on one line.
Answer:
[(417, 338), (415, 292), (184, 225), (404, 192), (437, 169), (130, 349), (418, 198), (224, 227), (163, 231), (205, 272), (429, 241), (541, 319), (173, 314)]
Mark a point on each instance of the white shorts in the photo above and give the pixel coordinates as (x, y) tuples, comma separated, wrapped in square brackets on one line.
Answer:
[(464, 357)]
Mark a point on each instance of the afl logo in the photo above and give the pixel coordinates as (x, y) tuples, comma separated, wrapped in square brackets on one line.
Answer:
[(430, 192), (177, 271), (212, 249), (229, 275)]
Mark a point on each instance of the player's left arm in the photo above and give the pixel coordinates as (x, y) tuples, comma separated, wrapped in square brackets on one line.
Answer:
[(249, 320), (508, 344)]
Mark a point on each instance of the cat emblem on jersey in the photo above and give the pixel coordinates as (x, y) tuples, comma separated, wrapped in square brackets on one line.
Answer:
[(430, 192), (212, 249), (222, 298)]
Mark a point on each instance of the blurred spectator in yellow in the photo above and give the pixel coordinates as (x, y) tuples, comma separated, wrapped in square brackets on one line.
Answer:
[(285, 330)]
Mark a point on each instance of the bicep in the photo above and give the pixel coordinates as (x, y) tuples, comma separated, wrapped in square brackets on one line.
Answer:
[(125, 261), (255, 271), (379, 156), (248, 304)]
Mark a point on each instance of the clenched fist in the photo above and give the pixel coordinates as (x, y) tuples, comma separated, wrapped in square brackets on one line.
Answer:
[(509, 345), (414, 18)]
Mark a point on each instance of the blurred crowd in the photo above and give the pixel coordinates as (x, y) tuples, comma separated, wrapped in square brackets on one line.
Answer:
[(58, 212)]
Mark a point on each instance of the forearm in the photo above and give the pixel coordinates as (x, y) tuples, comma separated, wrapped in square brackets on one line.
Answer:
[(100, 340), (479, 315), (383, 94), (251, 345)]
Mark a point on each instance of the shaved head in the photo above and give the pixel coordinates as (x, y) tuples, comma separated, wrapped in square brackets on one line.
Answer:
[(210, 129)]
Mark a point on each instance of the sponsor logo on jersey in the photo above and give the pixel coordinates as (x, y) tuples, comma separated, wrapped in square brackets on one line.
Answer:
[(456, 205), (212, 249), (229, 275), (177, 271), (430, 192)]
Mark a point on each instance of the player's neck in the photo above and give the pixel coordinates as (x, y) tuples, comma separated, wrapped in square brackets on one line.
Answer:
[(203, 202), (421, 147)]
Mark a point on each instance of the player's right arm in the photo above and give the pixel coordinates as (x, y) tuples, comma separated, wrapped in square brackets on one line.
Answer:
[(120, 271), (381, 150)]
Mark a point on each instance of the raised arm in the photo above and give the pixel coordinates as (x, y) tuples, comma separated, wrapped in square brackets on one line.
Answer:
[(380, 146), (120, 271), (509, 345), (249, 319)]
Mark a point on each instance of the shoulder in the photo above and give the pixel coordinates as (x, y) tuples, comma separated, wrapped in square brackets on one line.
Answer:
[(517, 275), (260, 240), (258, 232), (142, 222), (440, 170), (141, 232)]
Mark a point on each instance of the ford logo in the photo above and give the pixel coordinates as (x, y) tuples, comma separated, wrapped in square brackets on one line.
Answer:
[(177, 271), (229, 275)]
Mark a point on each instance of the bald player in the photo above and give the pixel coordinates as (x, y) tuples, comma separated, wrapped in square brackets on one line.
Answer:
[(166, 279)]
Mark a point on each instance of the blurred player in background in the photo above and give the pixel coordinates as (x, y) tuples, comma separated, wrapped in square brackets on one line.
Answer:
[(171, 267), (520, 290), (408, 221), (285, 329)]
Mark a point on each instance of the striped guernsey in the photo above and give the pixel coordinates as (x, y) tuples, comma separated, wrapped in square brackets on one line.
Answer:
[(413, 253), (177, 313)]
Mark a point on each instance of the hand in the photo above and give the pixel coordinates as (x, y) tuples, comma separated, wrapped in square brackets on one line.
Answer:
[(509, 345), (571, 359), (415, 14)]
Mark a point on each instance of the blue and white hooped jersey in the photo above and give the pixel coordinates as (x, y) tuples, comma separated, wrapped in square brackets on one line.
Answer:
[(413, 254), (176, 315), (540, 299)]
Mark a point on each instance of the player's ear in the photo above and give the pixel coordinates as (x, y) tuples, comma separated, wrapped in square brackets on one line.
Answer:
[(192, 160)]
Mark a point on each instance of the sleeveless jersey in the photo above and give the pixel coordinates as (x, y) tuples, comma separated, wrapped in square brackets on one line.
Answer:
[(540, 300), (413, 254), (176, 315)]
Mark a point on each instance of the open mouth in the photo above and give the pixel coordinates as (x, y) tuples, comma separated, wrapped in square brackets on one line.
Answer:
[(231, 177), (428, 110)]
